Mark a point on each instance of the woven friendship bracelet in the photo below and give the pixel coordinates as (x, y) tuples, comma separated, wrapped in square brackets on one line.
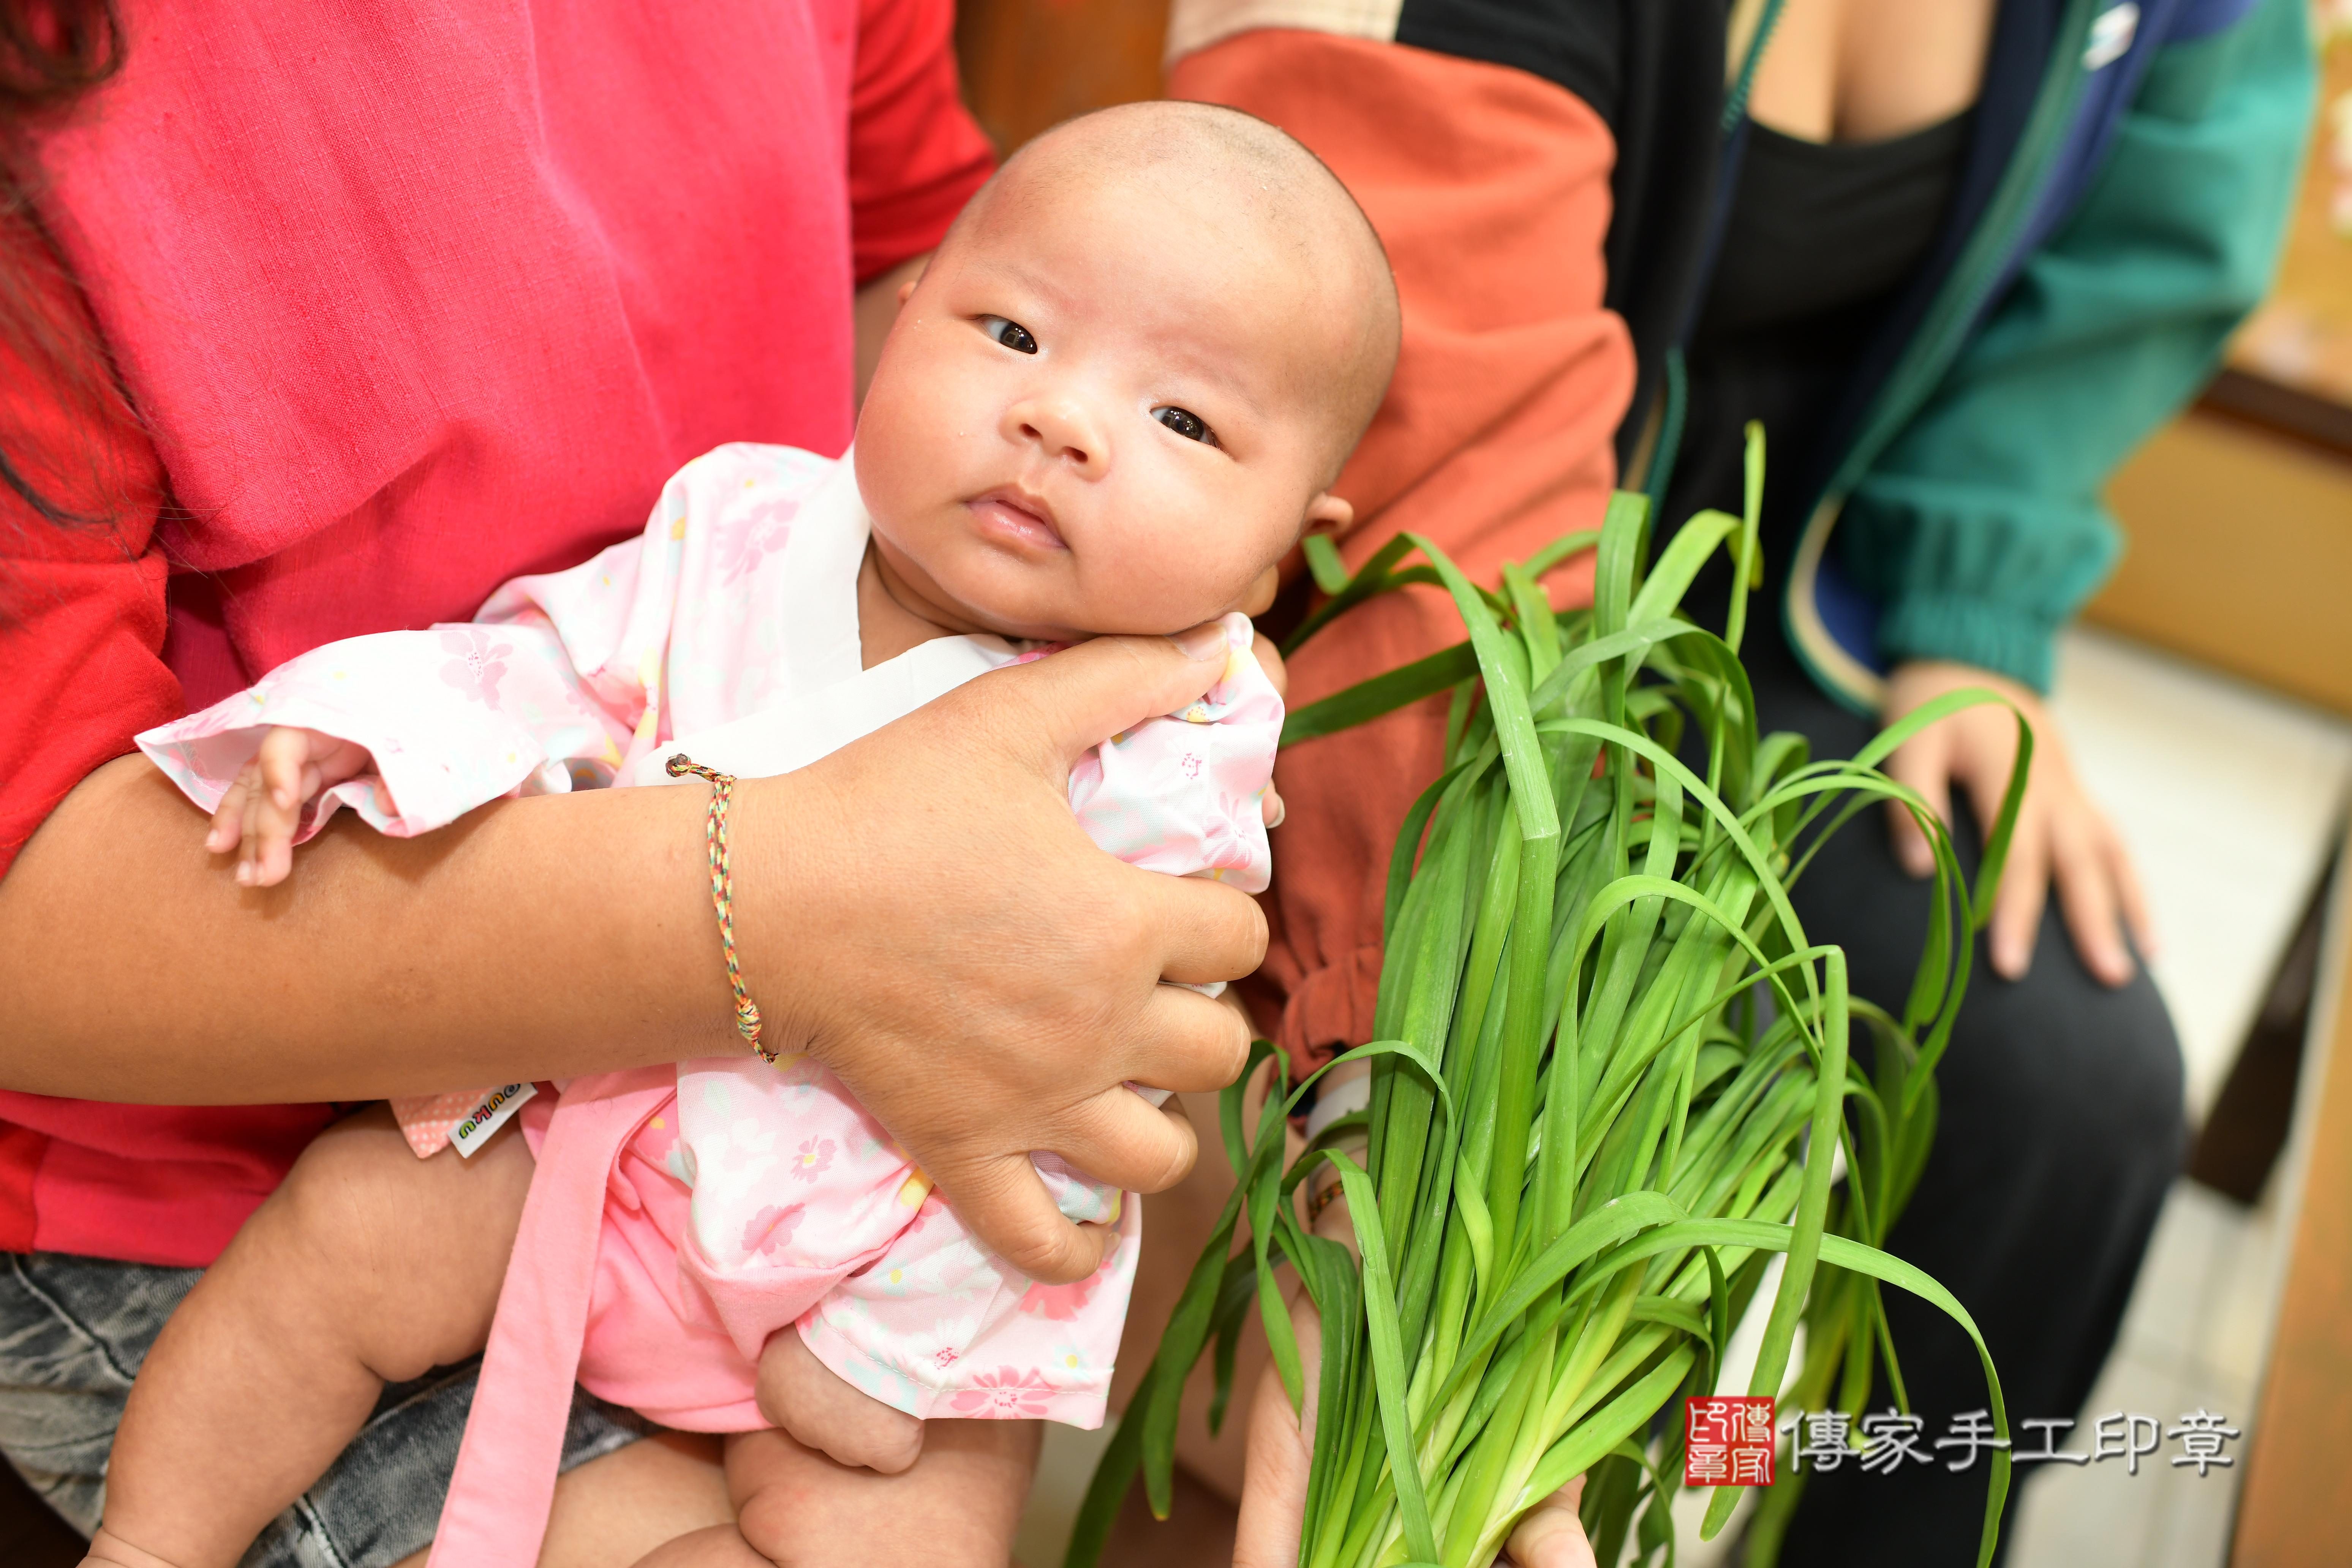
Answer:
[(722, 893)]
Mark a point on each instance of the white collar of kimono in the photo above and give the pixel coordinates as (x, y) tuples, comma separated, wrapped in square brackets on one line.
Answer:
[(837, 699)]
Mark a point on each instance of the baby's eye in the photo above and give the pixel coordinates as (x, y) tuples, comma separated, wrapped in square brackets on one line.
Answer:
[(1186, 423), (1011, 334)]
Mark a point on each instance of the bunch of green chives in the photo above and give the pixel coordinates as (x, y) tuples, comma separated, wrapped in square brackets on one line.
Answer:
[(1610, 1072)]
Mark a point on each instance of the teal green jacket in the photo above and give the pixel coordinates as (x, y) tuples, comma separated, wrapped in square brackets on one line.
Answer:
[(2137, 221)]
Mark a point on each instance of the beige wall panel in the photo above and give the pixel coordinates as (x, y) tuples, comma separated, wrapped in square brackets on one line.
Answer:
[(2240, 554)]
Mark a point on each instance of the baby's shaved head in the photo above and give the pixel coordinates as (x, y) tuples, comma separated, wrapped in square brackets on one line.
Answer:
[(1253, 176)]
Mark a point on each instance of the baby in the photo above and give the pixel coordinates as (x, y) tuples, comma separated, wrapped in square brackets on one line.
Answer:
[(1110, 405)]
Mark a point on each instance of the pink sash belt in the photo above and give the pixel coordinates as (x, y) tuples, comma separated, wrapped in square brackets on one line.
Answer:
[(496, 1513)]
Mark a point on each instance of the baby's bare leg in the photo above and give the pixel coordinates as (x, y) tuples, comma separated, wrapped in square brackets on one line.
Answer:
[(808, 1400), (368, 1265), (956, 1507)]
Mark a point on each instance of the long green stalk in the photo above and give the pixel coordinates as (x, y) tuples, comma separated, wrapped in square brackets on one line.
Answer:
[(1609, 1076)]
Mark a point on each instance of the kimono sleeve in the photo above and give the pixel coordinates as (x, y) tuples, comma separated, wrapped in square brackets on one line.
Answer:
[(452, 716)]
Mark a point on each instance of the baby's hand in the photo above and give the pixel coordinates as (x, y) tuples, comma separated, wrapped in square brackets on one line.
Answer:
[(257, 816)]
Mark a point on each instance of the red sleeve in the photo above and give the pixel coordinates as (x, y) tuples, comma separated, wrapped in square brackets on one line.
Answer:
[(916, 155), (81, 602)]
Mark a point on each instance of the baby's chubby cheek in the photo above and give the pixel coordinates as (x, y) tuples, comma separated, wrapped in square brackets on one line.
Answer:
[(900, 474), (1171, 579), (923, 425)]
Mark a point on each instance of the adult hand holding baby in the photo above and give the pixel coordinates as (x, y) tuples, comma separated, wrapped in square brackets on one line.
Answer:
[(258, 816), (1049, 950)]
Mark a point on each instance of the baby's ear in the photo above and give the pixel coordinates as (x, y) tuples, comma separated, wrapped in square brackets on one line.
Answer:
[(907, 289), (1327, 513)]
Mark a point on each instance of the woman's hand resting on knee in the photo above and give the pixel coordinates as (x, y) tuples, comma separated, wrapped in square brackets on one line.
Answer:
[(2062, 836)]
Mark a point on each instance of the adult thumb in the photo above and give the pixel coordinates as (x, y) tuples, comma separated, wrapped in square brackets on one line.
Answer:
[(1084, 696)]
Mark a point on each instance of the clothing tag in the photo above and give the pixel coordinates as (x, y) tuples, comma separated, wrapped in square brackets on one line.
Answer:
[(489, 1116)]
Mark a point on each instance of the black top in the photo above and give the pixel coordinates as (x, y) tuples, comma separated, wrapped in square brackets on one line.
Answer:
[(1655, 72), (1821, 239)]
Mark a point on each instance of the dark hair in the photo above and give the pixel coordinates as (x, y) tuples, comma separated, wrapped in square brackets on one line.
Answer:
[(53, 53)]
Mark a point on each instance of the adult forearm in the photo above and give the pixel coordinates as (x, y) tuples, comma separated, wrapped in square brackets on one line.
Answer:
[(537, 938), (918, 910)]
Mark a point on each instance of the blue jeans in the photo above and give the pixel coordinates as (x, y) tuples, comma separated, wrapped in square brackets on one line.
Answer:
[(73, 1331)]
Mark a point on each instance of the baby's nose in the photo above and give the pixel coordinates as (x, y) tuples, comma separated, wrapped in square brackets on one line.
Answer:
[(1066, 428)]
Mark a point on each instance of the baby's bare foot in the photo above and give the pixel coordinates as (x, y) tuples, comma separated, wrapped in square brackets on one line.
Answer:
[(808, 1400)]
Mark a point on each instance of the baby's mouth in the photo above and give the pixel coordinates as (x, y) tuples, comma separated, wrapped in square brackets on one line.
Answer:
[(1016, 517)]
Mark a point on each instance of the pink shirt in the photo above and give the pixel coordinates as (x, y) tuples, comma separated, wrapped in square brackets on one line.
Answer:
[(415, 298)]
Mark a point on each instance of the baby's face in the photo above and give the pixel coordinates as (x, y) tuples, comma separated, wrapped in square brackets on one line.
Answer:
[(1099, 413)]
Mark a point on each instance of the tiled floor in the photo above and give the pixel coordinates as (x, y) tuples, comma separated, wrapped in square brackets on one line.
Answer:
[(2230, 800), (2193, 1339)]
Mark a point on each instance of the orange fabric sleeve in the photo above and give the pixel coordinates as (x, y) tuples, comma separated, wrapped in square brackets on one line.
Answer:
[(1490, 188)]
